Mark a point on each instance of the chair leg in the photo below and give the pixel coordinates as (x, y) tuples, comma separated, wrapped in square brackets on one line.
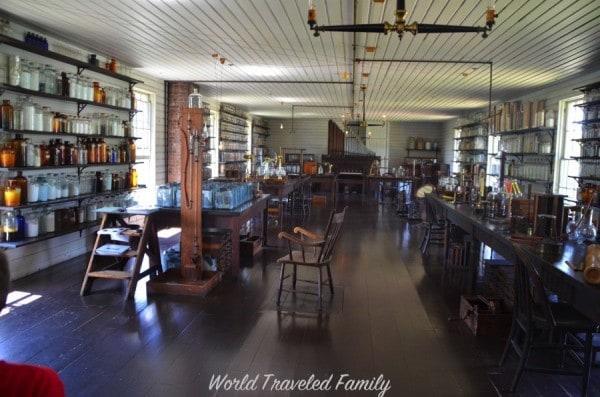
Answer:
[(587, 363), (522, 361), (330, 279), (280, 284), (320, 285), (426, 239), (513, 333), (294, 276)]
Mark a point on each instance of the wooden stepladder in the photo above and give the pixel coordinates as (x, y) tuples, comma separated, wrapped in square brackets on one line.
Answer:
[(120, 266)]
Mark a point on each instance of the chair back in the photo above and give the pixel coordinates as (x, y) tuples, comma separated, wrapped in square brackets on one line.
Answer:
[(332, 234), (530, 294), (433, 212)]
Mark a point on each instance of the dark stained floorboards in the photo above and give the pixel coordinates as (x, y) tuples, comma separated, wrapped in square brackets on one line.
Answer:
[(389, 316)]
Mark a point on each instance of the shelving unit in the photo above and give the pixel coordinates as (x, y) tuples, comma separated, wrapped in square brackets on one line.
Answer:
[(260, 132), (469, 149), (81, 66), (589, 139), (233, 141), (81, 105)]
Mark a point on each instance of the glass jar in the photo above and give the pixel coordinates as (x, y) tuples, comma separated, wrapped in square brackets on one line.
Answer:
[(32, 225), (133, 175), (97, 92), (52, 188), (34, 69), (47, 119), (91, 209), (43, 189), (107, 181), (586, 231), (30, 157), (10, 227), (12, 196), (49, 221), (25, 79), (14, 70), (28, 122), (73, 79), (38, 119), (7, 115), (18, 115), (19, 182), (7, 157)]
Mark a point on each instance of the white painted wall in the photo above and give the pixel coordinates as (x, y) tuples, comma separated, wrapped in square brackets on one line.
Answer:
[(31, 258)]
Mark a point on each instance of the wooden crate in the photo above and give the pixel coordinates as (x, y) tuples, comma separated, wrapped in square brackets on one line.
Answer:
[(318, 199), (485, 317), (250, 246)]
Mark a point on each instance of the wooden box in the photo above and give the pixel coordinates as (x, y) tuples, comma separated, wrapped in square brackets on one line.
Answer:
[(250, 246), (485, 317), (319, 199)]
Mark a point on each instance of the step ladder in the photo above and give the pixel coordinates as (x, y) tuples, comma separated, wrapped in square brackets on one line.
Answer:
[(114, 266)]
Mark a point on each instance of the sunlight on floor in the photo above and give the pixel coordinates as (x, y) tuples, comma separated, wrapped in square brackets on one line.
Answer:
[(17, 299)]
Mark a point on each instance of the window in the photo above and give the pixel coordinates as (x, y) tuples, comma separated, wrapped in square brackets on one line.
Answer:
[(568, 129), (143, 127)]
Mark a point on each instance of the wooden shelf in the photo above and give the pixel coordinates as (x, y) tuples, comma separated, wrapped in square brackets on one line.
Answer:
[(233, 114), (423, 150), (66, 134), (583, 158), (52, 167), (232, 140), (525, 131), (586, 178), (586, 122), (79, 102), (47, 236), (589, 104), (473, 124), (469, 137), (232, 123), (585, 140), (81, 197), (65, 59), (472, 151), (233, 150)]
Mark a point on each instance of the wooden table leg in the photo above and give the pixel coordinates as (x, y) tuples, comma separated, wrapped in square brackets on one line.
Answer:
[(235, 248), (265, 219)]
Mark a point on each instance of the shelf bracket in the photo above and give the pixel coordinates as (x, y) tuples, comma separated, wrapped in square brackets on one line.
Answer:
[(80, 107), (80, 70), (132, 114)]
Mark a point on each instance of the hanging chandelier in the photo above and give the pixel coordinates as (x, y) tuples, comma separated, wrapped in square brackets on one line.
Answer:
[(400, 26)]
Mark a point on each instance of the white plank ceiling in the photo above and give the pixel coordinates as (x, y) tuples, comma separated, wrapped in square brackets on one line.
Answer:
[(534, 43)]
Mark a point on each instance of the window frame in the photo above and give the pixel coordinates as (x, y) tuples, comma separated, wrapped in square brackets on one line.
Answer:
[(151, 158)]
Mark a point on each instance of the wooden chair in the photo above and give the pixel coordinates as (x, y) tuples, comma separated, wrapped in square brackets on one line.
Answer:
[(314, 251), (435, 226), (535, 314)]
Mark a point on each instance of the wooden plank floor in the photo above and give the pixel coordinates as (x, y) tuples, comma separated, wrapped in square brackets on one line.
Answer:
[(389, 316)]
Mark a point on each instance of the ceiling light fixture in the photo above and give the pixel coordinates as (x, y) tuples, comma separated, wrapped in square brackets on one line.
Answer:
[(400, 26), (281, 126)]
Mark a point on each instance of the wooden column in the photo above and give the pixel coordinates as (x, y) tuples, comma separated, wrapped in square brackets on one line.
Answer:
[(189, 279)]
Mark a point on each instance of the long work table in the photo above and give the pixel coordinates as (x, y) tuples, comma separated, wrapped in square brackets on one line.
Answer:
[(557, 274), (228, 219)]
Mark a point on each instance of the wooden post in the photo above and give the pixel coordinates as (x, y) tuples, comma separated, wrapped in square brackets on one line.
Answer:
[(191, 125), (189, 279)]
